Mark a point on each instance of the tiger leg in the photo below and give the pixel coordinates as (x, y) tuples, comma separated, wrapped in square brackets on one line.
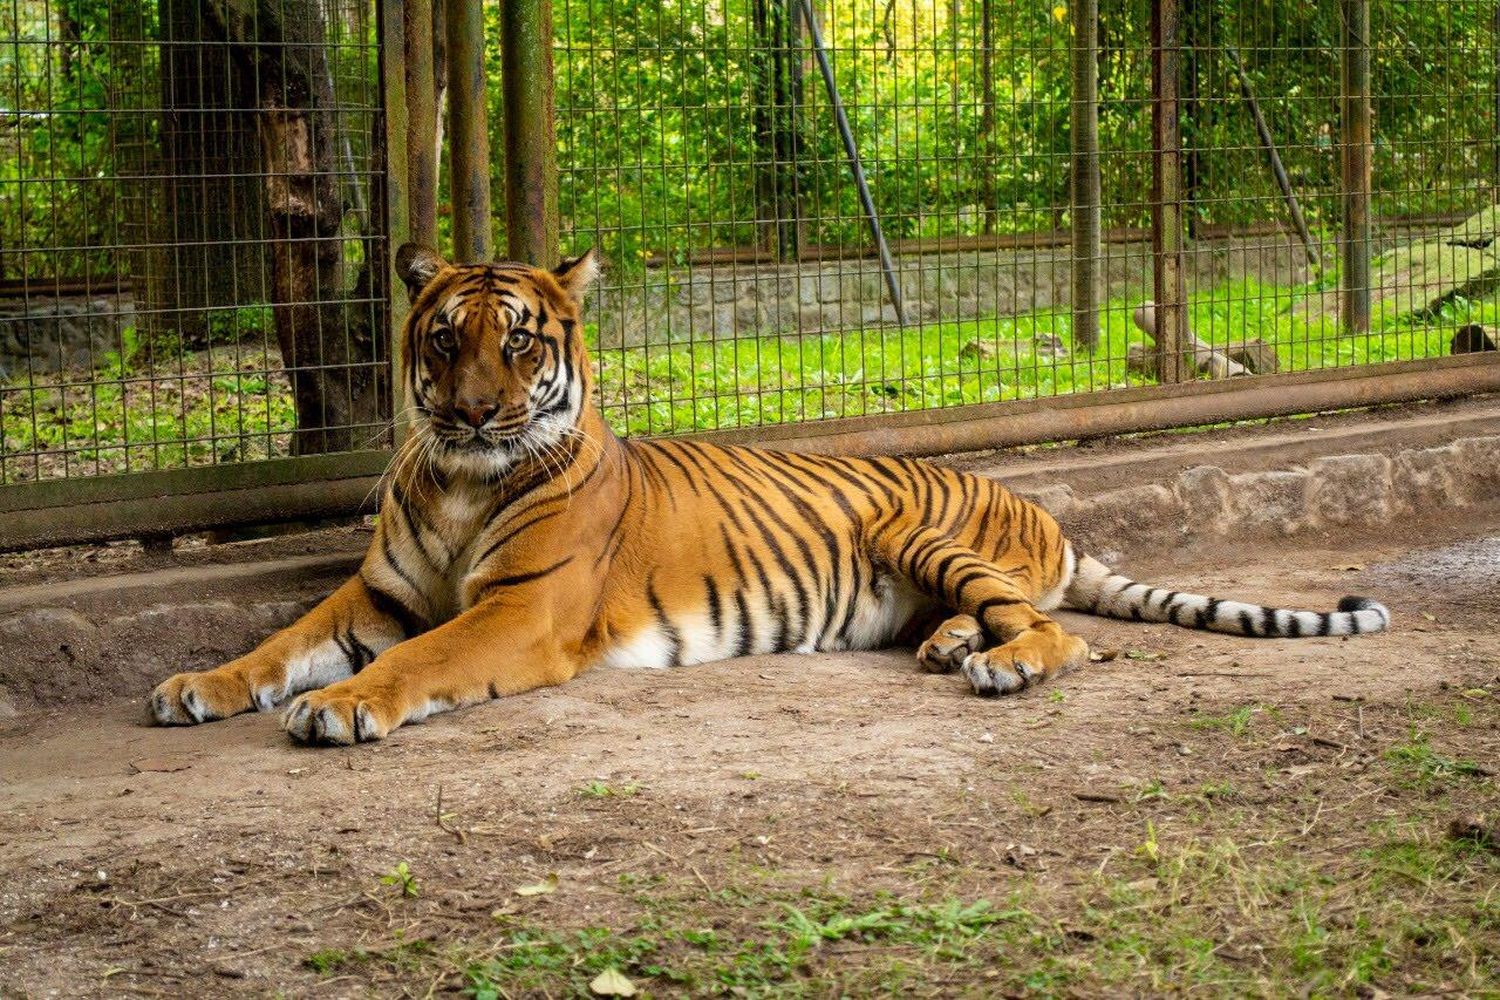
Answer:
[(947, 648), (333, 640), (1030, 647), (485, 652)]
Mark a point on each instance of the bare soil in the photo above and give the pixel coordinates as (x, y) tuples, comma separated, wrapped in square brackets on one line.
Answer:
[(1200, 813)]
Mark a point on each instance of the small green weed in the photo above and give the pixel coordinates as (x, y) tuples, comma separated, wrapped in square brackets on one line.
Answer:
[(402, 877), (603, 790)]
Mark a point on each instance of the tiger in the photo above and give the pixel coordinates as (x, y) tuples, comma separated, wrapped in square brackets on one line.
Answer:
[(519, 542)]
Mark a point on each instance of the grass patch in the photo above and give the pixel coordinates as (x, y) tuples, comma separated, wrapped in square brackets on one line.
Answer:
[(1221, 915), (158, 406), (1417, 759)]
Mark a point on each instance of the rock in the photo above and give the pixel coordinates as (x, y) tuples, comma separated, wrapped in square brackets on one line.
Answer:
[(1350, 490), (1204, 491), (1473, 339), (1256, 355), (1275, 500)]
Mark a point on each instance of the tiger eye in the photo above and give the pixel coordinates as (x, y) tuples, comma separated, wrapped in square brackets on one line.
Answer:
[(518, 341), (443, 340)]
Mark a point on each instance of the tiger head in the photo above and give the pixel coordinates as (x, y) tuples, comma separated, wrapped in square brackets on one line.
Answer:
[(494, 357)]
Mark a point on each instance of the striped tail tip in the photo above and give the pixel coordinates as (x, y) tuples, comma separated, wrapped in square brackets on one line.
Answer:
[(1368, 615)]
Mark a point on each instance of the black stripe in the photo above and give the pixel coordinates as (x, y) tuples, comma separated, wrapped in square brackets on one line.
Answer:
[(715, 612), (360, 655), (747, 637), (518, 579), (984, 607), (390, 558), (1268, 621), (411, 623), (673, 636), (1246, 624), (512, 533)]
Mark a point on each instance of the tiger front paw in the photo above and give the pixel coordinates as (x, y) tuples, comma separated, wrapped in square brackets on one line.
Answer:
[(952, 643), (190, 698), (334, 717), (990, 675), (1023, 662)]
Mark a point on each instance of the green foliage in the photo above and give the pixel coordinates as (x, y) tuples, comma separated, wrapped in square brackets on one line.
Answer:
[(1418, 759), (402, 878)]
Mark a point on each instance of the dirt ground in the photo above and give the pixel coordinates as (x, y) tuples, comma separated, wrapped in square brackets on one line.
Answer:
[(1198, 814)]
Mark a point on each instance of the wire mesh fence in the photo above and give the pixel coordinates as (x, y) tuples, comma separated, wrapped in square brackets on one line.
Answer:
[(699, 149), (191, 231)]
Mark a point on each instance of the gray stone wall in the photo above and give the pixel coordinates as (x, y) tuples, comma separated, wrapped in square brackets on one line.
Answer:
[(44, 335), (675, 305)]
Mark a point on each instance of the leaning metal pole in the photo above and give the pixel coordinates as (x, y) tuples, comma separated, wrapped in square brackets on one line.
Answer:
[(893, 286)]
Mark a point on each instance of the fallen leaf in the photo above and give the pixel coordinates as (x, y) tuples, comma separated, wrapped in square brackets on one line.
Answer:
[(159, 764), (1102, 655), (1474, 694), (612, 983), (1141, 654), (1431, 618), (546, 885)]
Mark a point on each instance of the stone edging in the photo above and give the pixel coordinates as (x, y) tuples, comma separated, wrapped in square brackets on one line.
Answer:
[(1336, 491)]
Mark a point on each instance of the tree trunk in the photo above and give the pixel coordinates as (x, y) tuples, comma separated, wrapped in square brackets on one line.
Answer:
[(778, 94), (327, 337), (208, 245)]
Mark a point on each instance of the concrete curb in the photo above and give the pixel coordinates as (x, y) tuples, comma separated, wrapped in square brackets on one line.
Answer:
[(1331, 492)]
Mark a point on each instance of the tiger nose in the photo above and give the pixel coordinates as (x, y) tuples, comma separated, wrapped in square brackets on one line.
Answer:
[(476, 413)]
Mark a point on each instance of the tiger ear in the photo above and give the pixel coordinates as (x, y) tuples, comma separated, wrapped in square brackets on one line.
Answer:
[(576, 274), (417, 266)]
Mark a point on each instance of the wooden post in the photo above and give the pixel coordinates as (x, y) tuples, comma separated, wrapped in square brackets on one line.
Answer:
[(1166, 198), (468, 133), (1355, 124), (419, 135), (400, 213), (1085, 168), (531, 218)]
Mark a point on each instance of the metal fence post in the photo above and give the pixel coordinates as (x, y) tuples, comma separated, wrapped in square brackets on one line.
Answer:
[(531, 218), (1166, 197), (1085, 167), (1355, 123), (420, 137), (468, 133)]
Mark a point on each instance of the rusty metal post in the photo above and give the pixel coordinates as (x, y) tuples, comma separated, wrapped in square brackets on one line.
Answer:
[(394, 50), (1085, 168), (1355, 123), (531, 220), (420, 138), (468, 133), (1166, 198)]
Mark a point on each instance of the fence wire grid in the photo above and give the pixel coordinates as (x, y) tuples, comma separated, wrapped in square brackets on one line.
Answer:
[(192, 234), (699, 149), (190, 212)]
